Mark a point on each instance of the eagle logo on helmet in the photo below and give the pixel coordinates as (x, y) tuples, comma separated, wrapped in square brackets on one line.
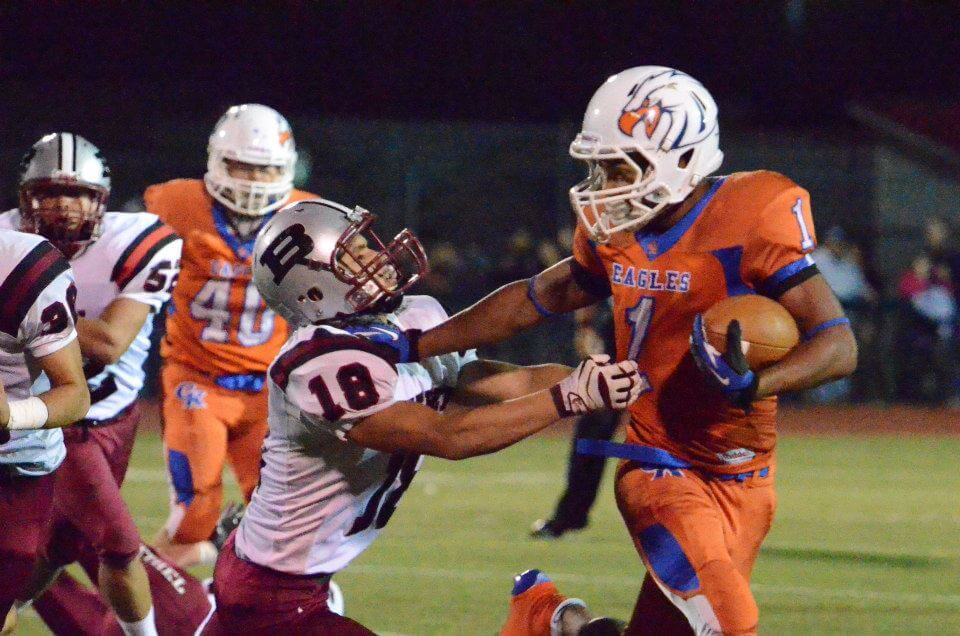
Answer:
[(647, 112), (682, 121)]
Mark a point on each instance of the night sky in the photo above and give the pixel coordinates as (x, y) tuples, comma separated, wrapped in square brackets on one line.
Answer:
[(778, 62)]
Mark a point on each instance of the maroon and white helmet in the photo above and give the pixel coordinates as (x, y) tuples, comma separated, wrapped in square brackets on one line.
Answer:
[(317, 260), (63, 164)]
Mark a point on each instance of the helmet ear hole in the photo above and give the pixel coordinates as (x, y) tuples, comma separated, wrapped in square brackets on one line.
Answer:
[(315, 294), (684, 160)]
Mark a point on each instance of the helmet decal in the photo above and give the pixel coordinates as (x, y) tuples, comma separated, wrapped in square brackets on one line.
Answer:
[(647, 113), (647, 106), (289, 248)]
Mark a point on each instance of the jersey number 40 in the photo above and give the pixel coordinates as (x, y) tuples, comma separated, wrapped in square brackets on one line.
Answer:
[(212, 305)]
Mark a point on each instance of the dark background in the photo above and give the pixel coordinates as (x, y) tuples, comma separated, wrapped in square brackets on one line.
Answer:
[(795, 62)]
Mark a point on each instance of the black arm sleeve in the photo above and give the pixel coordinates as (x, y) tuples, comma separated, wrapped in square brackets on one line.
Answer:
[(593, 284)]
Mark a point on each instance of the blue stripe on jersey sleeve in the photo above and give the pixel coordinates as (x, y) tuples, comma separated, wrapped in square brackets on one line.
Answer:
[(774, 281)]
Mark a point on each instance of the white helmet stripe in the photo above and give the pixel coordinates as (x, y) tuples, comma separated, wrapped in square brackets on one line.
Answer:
[(68, 153)]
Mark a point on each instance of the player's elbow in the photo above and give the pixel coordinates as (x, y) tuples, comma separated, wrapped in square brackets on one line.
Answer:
[(99, 343), (846, 354), (107, 352)]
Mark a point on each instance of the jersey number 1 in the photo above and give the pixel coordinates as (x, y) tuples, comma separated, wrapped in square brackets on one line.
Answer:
[(638, 317), (806, 241)]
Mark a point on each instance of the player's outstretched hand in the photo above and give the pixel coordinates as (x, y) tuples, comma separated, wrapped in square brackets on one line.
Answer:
[(728, 372), (597, 384)]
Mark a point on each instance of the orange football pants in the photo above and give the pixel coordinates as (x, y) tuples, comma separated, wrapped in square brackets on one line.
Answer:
[(203, 426), (699, 537)]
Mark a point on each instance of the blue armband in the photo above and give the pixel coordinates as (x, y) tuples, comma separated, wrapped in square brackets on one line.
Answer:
[(826, 325), (532, 295)]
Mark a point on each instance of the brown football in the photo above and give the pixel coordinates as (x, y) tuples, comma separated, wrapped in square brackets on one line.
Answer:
[(768, 330)]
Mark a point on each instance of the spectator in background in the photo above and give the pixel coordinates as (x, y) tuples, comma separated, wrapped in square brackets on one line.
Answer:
[(548, 253), (939, 247), (519, 259), (841, 264), (945, 259), (446, 270), (928, 313), (523, 257)]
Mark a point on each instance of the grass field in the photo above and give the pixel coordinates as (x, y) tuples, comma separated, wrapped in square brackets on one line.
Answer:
[(866, 541)]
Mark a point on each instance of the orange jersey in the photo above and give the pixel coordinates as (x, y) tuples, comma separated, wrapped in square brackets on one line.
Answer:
[(218, 323), (751, 233)]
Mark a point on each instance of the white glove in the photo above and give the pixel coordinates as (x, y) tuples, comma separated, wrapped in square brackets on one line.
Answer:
[(598, 384)]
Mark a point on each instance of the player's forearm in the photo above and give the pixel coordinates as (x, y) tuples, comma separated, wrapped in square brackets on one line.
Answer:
[(498, 317), (68, 399), (486, 429), (830, 355), (487, 381), (66, 404), (531, 379), (99, 342)]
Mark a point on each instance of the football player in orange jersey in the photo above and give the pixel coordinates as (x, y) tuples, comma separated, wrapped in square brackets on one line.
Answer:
[(667, 240), (220, 335)]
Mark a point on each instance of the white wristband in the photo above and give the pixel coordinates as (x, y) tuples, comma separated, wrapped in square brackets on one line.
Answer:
[(27, 414)]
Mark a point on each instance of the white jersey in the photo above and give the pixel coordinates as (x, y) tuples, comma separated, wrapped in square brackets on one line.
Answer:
[(135, 257), (36, 319), (322, 499)]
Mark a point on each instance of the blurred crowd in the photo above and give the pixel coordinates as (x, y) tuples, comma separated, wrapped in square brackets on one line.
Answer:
[(927, 328), (909, 337)]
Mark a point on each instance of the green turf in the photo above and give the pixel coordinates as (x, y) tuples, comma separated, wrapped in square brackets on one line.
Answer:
[(866, 541)]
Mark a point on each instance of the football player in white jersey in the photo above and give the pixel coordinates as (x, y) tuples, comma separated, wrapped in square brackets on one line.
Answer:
[(36, 324), (125, 265), (350, 421)]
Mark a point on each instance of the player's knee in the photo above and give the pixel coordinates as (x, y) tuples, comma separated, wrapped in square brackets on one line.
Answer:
[(734, 609), (119, 559), (197, 524)]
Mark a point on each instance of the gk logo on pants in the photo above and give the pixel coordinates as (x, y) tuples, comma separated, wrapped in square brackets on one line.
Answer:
[(192, 396)]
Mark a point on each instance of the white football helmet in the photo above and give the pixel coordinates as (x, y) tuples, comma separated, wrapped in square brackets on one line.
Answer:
[(663, 124), (68, 164), (257, 135), (310, 265)]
